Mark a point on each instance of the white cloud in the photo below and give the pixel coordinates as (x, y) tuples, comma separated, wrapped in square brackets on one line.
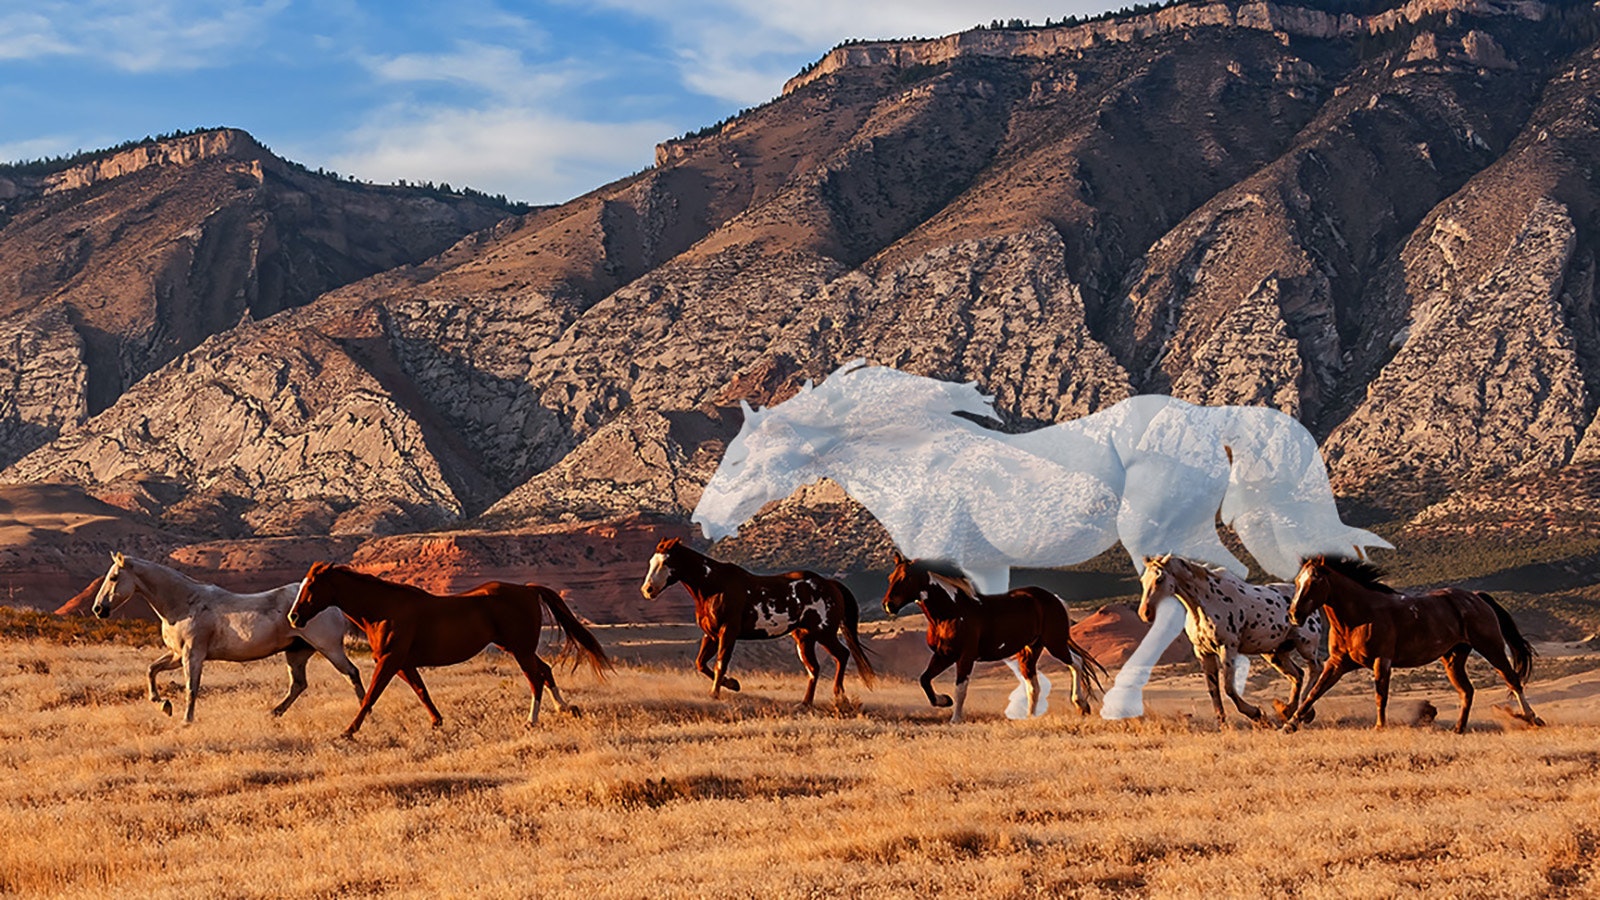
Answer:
[(743, 50), (521, 152), (149, 36), (496, 71)]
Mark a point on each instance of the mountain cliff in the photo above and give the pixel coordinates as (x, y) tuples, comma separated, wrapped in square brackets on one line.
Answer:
[(1383, 223)]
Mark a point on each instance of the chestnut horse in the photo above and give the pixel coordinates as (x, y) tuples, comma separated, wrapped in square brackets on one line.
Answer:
[(410, 628), (965, 626), (731, 604), (1373, 626)]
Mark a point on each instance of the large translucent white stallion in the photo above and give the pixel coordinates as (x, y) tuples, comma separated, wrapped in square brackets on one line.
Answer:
[(1152, 471)]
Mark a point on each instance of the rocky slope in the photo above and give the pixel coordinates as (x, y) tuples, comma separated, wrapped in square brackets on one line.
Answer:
[(1384, 224), (113, 267)]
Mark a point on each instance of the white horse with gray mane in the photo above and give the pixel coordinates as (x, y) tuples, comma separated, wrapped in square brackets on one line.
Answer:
[(1152, 471), (201, 621), (1228, 617)]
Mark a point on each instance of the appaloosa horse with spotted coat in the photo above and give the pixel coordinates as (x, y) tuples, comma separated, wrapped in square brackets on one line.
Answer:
[(1228, 617), (731, 604)]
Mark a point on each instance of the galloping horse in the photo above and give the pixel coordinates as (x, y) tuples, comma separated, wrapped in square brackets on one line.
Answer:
[(731, 604), (965, 626), (202, 621), (1152, 471), (1228, 617), (410, 628), (1371, 625)]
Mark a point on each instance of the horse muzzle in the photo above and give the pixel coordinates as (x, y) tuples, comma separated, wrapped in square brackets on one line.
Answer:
[(100, 611)]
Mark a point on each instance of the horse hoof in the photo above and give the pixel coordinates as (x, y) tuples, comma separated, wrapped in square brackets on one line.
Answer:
[(1290, 727), (1536, 721), (943, 700), (574, 712), (166, 707), (731, 684), (277, 713)]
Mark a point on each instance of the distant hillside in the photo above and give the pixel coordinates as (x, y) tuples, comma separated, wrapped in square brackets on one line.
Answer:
[(114, 263)]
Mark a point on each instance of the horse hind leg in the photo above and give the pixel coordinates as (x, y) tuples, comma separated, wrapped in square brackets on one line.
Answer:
[(806, 647), (540, 676), (1493, 650), (1028, 667), (841, 656), (414, 678), (297, 655)]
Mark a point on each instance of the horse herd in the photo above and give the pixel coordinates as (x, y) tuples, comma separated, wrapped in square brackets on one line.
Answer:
[(1367, 623)]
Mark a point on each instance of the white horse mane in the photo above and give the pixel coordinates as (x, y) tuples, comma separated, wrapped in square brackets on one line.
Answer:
[(838, 400)]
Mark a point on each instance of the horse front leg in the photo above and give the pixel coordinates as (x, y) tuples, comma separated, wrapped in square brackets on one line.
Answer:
[(1209, 664), (936, 666), (193, 662), (963, 675), (1332, 671), (166, 663), (1281, 660), (725, 641), (1230, 671), (1455, 668), (381, 676), (1380, 686)]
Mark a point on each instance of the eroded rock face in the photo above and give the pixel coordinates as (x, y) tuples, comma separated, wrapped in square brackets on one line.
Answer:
[(139, 256), (1397, 247)]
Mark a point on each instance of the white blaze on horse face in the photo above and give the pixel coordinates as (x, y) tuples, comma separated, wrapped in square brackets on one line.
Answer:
[(655, 580)]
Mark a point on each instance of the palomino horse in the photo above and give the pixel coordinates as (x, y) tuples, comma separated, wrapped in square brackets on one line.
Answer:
[(202, 621), (731, 604), (965, 626), (1373, 626), (410, 628), (1228, 617)]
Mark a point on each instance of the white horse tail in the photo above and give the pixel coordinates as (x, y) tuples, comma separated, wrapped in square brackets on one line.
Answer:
[(1278, 499)]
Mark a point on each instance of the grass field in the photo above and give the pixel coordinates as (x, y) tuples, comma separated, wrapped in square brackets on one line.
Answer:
[(659, 791)]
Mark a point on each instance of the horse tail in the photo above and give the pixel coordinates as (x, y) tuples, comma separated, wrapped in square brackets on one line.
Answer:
[(1092, 669), (1521, 651), (852, 637), (581, 645)]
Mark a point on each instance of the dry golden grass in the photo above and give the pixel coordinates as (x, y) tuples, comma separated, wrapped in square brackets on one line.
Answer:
[(658, 791)]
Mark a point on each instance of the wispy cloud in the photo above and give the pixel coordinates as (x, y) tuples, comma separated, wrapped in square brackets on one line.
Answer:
[(743, 50), (150, 36), (527, 154)]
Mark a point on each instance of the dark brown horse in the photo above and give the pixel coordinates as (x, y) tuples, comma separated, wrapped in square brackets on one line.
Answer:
[(410, 628), (1373, 626), (965, 626), (731, 604)]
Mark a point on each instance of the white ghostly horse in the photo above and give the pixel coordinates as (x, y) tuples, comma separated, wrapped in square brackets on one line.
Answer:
[(202, 621), (1151, 471)]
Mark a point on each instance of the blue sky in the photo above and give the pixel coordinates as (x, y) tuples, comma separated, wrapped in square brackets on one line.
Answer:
[(540, 101)]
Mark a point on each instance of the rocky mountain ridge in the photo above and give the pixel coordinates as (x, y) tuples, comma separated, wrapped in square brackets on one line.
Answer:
[(1394, 241)]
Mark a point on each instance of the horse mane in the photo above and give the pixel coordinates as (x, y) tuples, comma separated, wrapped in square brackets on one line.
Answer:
[(376, 581), (832, 401), (1358, 570), (946, 570)]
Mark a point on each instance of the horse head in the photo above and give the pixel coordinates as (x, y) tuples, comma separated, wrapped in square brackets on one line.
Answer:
[(775, 453), (118, 587), (665, 567), (906, 585), (1310, 589), (1157, 583), (314, 596)]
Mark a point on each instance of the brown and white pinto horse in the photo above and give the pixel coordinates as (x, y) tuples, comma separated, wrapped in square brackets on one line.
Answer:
[(409, 628), (1373, 626), (965, 626), (731, 604)]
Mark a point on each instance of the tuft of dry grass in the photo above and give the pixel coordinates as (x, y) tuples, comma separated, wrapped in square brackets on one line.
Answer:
[(658, 790)]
